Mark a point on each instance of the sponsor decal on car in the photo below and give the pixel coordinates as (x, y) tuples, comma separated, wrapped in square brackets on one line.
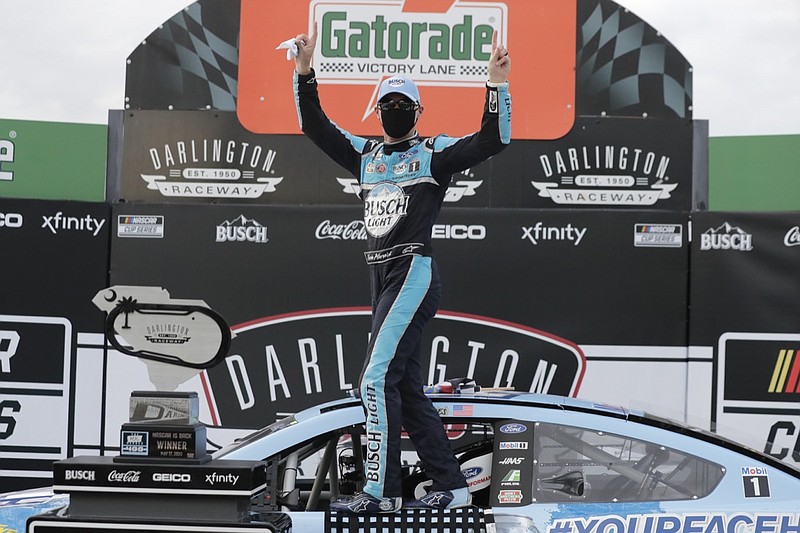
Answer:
[(680, 523), (513, 428)]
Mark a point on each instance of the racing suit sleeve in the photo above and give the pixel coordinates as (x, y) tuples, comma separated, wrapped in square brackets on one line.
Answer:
[(451, 155), (344, 148)]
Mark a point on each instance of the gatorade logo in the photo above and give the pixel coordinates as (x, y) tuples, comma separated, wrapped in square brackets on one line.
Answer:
[(6, 156)]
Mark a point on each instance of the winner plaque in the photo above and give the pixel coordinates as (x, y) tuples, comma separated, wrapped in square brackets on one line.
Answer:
[(163, 427)]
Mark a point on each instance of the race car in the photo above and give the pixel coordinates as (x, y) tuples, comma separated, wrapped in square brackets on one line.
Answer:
[(534, 463)]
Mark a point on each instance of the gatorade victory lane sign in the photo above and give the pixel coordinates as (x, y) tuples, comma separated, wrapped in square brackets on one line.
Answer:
[(443, 45)]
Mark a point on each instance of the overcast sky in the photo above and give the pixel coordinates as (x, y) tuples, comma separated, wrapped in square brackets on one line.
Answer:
[(64, 60)]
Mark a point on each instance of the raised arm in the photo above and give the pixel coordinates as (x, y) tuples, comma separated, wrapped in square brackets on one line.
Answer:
[(457, 154), (339, 145)]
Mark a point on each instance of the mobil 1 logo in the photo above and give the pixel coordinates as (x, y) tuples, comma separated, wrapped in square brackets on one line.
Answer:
[(756, 482)]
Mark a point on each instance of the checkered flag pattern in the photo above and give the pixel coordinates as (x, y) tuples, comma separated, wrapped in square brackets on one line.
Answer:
[(190, 62), (626, 68), (461, 520)]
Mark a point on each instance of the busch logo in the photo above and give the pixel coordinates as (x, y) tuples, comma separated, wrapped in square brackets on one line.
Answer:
[(79, 475), (385, 205), (726, 237), (240, 230)]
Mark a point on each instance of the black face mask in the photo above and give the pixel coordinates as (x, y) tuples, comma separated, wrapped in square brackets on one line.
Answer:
[(398, 123)]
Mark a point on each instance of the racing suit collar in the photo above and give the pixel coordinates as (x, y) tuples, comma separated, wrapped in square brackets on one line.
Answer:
[(401, 146)]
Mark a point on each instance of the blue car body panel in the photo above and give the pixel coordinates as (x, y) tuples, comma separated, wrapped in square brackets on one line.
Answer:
[(747, 492)]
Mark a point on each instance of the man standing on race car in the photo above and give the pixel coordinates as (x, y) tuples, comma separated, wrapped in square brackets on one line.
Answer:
[(402, 183)]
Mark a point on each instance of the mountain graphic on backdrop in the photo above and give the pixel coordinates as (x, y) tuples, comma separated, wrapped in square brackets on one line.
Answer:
[(726, 228), (242, 220)]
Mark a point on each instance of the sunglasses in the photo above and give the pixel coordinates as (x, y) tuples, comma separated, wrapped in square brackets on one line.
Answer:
[(402, 105)]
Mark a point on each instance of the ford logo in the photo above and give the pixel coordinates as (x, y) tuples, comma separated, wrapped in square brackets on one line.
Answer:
[(472, 472), (513, 428)]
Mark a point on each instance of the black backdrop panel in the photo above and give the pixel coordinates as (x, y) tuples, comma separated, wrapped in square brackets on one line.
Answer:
[(55, 257), (745, 306), (745, 274), (603, 162), (521, 288)]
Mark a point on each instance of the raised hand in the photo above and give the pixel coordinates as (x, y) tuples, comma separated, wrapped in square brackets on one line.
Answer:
[(499, 62), (305, 50)]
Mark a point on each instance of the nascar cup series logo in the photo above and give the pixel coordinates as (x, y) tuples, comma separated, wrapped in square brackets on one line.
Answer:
[(384, 206)]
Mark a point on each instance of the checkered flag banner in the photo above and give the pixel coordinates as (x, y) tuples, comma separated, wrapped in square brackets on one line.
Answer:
[(460, 520), (190, 62), (626, 68)]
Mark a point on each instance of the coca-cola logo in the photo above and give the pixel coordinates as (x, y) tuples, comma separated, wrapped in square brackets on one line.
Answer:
[(352, 231), (792, 237), (131, 476)]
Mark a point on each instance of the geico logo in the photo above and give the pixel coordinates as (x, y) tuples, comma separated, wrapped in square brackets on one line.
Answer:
[(475, 232), (70, 475), (174, 478), (11, 220)]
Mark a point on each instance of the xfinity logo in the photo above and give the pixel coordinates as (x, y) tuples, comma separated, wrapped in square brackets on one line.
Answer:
[(475, 232), (726, 237), (10, 220), (792, 237), (172, 478), (58, 222), (540, 232), (215, 478)]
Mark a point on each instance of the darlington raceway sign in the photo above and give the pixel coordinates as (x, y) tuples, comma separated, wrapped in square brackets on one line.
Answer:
[(288, 362), (444, 45)]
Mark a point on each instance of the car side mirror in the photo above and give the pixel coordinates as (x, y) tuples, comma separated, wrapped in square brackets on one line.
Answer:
[(572, 483)]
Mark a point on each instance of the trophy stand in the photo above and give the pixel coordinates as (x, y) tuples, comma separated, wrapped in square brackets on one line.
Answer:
[(163, 478), (163, 427)]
